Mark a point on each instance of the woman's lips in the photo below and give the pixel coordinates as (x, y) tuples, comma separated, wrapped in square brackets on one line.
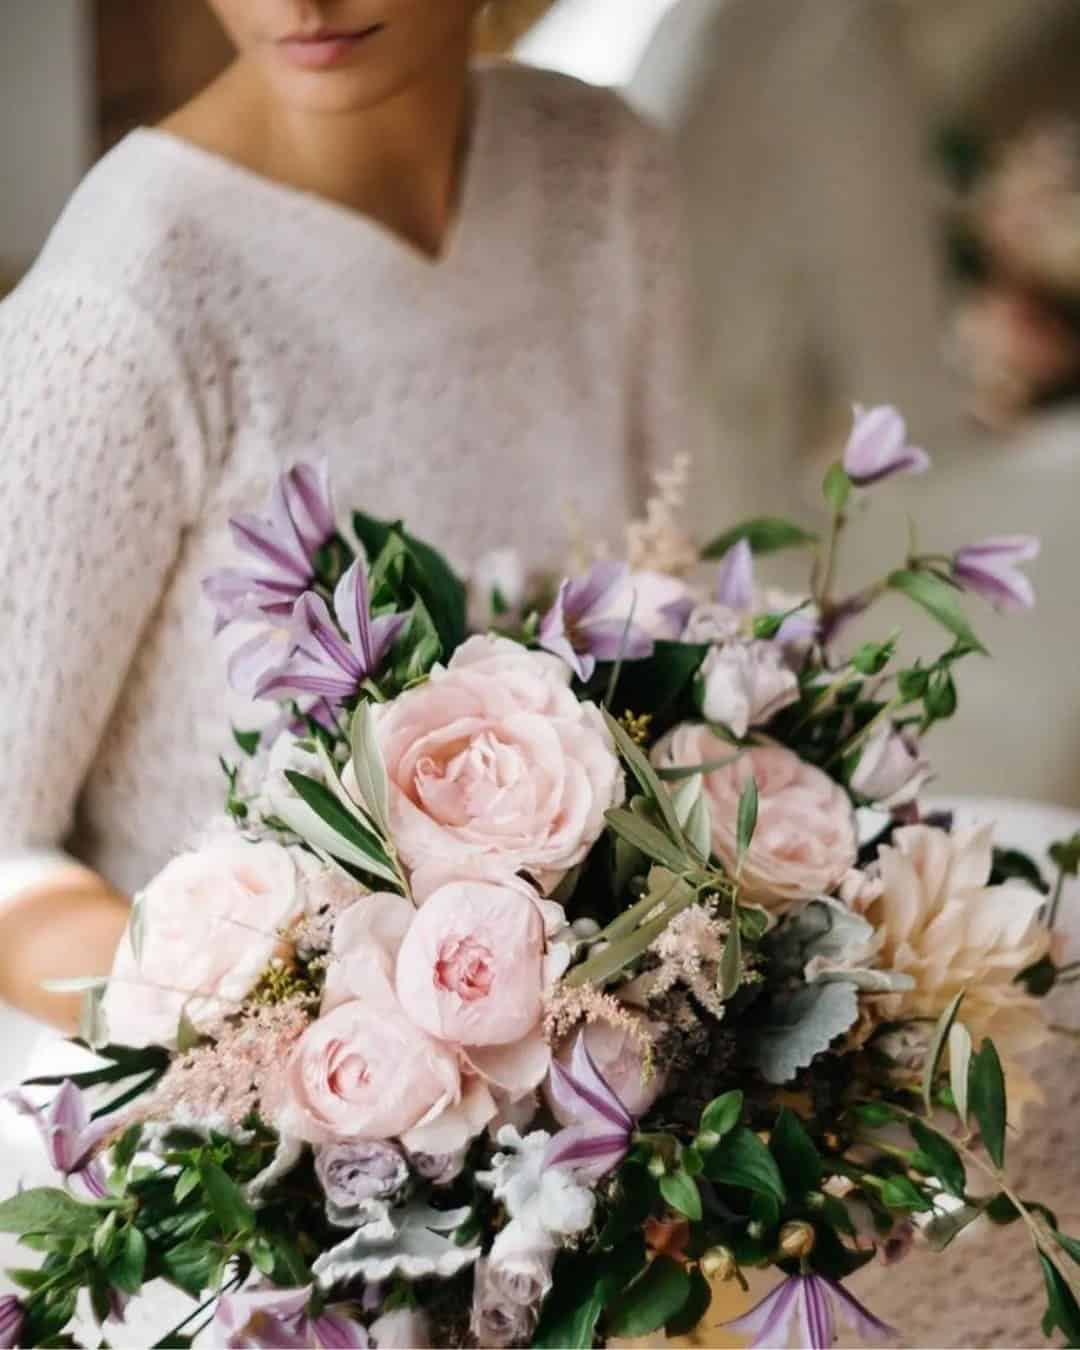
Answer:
[(323, 51)]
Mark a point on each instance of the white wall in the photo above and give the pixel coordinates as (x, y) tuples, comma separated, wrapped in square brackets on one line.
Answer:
[(45, 118)]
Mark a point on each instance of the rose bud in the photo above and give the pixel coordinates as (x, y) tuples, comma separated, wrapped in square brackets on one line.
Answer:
[(353, 1174)]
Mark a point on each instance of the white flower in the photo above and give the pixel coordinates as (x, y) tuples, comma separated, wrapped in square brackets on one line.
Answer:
[(546, 1198), (745, 685)]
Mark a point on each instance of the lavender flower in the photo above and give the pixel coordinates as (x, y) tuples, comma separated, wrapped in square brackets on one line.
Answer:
[(878, 448), (285, 544), (321, 661), (814, 1300), (990, 570), (69, 1135), (278, 1319), (439, 1168), (12, 1318), (735, 584), (353, 1174), (891, 770), (580, 628), (601, 1136)]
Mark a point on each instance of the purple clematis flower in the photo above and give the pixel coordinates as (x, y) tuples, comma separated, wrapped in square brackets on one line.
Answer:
[(735, 584), (601, 1136), (321, 661), (69, 1135), (580, 628), (12, 1318), (990, 569), (284, 544), (278, 1319), (878, 448), (814, 1300)]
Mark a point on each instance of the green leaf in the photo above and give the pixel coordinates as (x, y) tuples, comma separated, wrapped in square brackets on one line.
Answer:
[(875, 1114), (900, 1192), (424, 571), (647, 839), (572, 1327), (680, 1190), (193, 1266), (369, 767), (960, 1067), (986, 1097), (1062, 1310), (694, 1309), (766, 534), (46, 1209), (722, 1114), (796, 1156), (348, 838), (1069, 1244), (936, 1049), (248, 741), (940, 600), (940, 696), (747, 818), (655, 1297), (1011, 863), (128, 1267), (126, 1148), (731, 965), (1065, 855), (645, 774), (942, 1228), (225, 1199), (872, 657), (836, 488), (741, 1159), (947, 1164), (417, 649)]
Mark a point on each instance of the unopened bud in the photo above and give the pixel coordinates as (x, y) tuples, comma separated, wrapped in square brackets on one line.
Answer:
[(815, 1200), (707, 1140), (657, 1166), (755, 1229), (718, 1264), (797, 1240)]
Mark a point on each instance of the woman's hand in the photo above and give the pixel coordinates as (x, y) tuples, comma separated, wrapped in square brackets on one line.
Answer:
[(67, 927)]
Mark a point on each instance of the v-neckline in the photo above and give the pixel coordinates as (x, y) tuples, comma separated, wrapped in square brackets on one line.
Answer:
[(474, 165)]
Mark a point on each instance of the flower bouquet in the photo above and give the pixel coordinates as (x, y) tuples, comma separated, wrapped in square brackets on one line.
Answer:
[(538, 980)]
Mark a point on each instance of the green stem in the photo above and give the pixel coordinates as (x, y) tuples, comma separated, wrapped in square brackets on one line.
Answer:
[(630, 918), (855, 741), (828, 571), (1055, 904)]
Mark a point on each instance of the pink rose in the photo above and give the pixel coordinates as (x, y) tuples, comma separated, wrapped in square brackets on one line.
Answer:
[(494, 758), (210, 924), (364, 1069), (804, 844)]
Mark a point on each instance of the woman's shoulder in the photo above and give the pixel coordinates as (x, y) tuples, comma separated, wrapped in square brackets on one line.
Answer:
[(588, 124)]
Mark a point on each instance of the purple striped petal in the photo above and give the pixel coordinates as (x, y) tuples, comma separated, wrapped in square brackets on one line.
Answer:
[(769, 1322), (857, 1316), (583, 1093), (12, 1317), (315, 635), (735, 584), (594, 592), (92, 1179), (352, 604), (253, 660), (307, 495), (261, 539), (588, 1154), (608, 639), (1006, 548), (815, 1313)]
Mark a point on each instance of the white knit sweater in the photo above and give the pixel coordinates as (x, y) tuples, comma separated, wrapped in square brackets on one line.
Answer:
[(192, 328)]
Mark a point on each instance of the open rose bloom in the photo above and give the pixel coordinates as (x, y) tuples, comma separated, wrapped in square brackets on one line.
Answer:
[(535, 979)]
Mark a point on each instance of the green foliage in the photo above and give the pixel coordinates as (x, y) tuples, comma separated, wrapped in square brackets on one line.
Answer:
[(350, 839), (940, 600), (720, 1117), (694, 1309), (986, 1098), (1011, 864), (945, 1163), (873, 657), (656, 1296), (900, 1192), (45, 1209), (746, 822), (681, 1192), (796, 1155), (411, 570), (836, 489), (741, 1159), (766, 534), (647, 839), (801, 1026), (1062, 1311), (1065, 855), (937, 1048), (226, 1199)]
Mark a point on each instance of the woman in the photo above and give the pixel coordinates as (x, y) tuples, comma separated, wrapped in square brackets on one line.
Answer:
[(461, 287)]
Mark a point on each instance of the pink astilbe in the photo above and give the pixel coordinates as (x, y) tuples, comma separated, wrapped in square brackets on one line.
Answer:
[(239, 1073), (568, 1007), (658, 543), (690, 949)]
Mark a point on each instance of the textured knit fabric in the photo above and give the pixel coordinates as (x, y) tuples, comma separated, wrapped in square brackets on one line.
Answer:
[(192, 329)]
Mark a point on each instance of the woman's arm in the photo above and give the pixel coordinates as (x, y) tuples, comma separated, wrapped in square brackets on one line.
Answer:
[(101, 470)]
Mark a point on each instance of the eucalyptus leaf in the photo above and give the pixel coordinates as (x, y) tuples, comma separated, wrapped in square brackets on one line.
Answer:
[(960, 1067), (692, 809), (986, 1098), (747, 817), (645, 774), (765, 534), (1062, 1309), (940, 600), (647, 839), (731, 965), (370, 768), (947, 1164), (937, 1048), (802, 1026), (321, 820)]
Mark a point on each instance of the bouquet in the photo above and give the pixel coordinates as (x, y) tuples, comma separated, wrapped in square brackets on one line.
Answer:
[(537, 981)]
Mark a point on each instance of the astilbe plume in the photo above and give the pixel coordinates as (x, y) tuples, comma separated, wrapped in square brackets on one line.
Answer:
[(658, 543)]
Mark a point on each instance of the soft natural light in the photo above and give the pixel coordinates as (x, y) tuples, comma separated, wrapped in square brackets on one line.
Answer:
[(601, 41)]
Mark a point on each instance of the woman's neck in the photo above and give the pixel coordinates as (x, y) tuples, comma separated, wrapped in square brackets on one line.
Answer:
[(399, 163)]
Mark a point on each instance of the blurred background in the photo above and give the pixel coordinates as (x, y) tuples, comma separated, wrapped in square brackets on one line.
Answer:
[(884, 205)]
